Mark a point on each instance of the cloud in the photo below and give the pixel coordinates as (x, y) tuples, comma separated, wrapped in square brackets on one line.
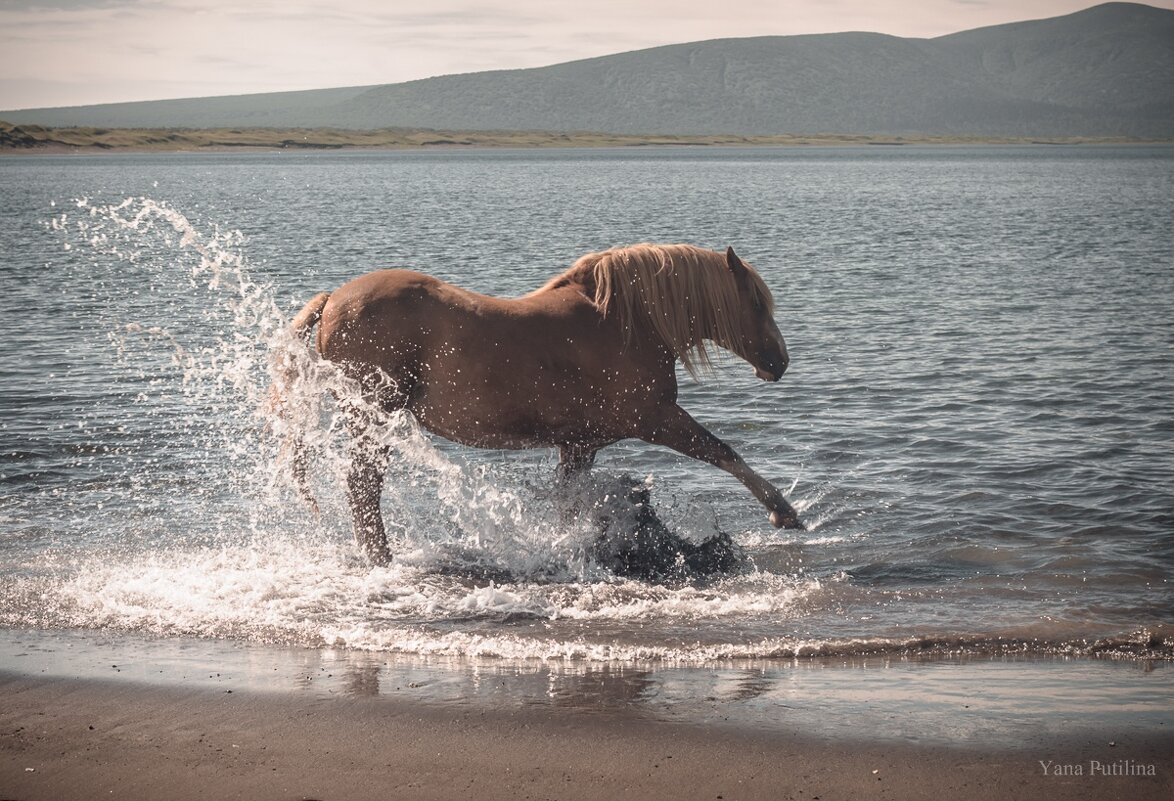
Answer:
[(472, 15), (62, 5)]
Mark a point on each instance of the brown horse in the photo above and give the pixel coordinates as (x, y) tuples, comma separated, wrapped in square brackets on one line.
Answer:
[(583, 362)]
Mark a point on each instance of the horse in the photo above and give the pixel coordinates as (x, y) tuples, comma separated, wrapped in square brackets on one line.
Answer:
[(584, 361)]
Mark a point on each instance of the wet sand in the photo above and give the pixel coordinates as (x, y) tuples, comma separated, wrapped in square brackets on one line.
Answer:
[(64, 738)]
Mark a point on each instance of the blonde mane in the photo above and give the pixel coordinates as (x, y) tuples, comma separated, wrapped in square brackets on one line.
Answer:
[(681, 294)]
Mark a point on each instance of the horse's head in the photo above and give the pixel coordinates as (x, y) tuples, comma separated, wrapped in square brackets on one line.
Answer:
[(758, 339), (685, 296)]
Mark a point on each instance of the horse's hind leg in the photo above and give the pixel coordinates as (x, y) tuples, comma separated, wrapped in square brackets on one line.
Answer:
[(364, 480), (364, 489), (369, 458)]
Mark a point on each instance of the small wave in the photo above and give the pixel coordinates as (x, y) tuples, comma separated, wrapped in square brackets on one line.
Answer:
[(1143, 644), (325, 595)]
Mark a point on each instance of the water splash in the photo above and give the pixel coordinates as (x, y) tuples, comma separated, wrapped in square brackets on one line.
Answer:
[(250, 386)]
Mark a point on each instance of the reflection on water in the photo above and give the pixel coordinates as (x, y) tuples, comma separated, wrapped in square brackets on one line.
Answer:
[(988, 701)]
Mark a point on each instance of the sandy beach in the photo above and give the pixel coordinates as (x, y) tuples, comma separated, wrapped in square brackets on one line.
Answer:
[(89, 739)]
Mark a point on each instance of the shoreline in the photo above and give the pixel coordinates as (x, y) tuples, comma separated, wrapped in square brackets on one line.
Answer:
[(41, 140), (973, 700), (70, 738), (90, 714)]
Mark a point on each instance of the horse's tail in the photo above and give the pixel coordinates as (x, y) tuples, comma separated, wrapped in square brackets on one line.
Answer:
[(285, 375), (305, 320)]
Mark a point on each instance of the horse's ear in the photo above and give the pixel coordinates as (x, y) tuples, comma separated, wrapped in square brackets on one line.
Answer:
[(733, 262)]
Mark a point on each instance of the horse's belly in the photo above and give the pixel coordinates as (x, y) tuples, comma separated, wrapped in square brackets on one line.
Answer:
[(504, 414), (486, 431)]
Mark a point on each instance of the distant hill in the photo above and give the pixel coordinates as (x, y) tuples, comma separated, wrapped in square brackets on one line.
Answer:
[(1104, 71)]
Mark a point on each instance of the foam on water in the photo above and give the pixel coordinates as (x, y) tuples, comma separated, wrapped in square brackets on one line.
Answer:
[(324, 595)]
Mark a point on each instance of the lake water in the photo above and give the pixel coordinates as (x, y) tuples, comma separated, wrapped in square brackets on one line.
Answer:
[(976, 424)]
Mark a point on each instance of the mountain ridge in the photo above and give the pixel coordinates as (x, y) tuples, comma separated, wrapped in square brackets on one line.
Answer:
[(1104, 71)]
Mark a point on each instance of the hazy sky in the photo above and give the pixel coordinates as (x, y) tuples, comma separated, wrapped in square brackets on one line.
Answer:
[(72, 52)]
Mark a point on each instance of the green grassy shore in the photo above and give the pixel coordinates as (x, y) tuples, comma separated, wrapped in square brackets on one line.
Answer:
[(39, 139)]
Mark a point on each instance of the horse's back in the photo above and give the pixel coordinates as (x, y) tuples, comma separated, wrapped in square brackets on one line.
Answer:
[(387, 305), (392, 318)]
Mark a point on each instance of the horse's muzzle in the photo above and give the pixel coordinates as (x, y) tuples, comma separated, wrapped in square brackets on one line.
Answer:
[(774, 373), (770, 363)]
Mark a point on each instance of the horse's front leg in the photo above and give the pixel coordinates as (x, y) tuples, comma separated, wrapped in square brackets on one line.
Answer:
[(677, 430), (364, 489), (573, 460)]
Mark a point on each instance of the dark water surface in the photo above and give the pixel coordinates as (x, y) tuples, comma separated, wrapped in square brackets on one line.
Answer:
[(976, 424)]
